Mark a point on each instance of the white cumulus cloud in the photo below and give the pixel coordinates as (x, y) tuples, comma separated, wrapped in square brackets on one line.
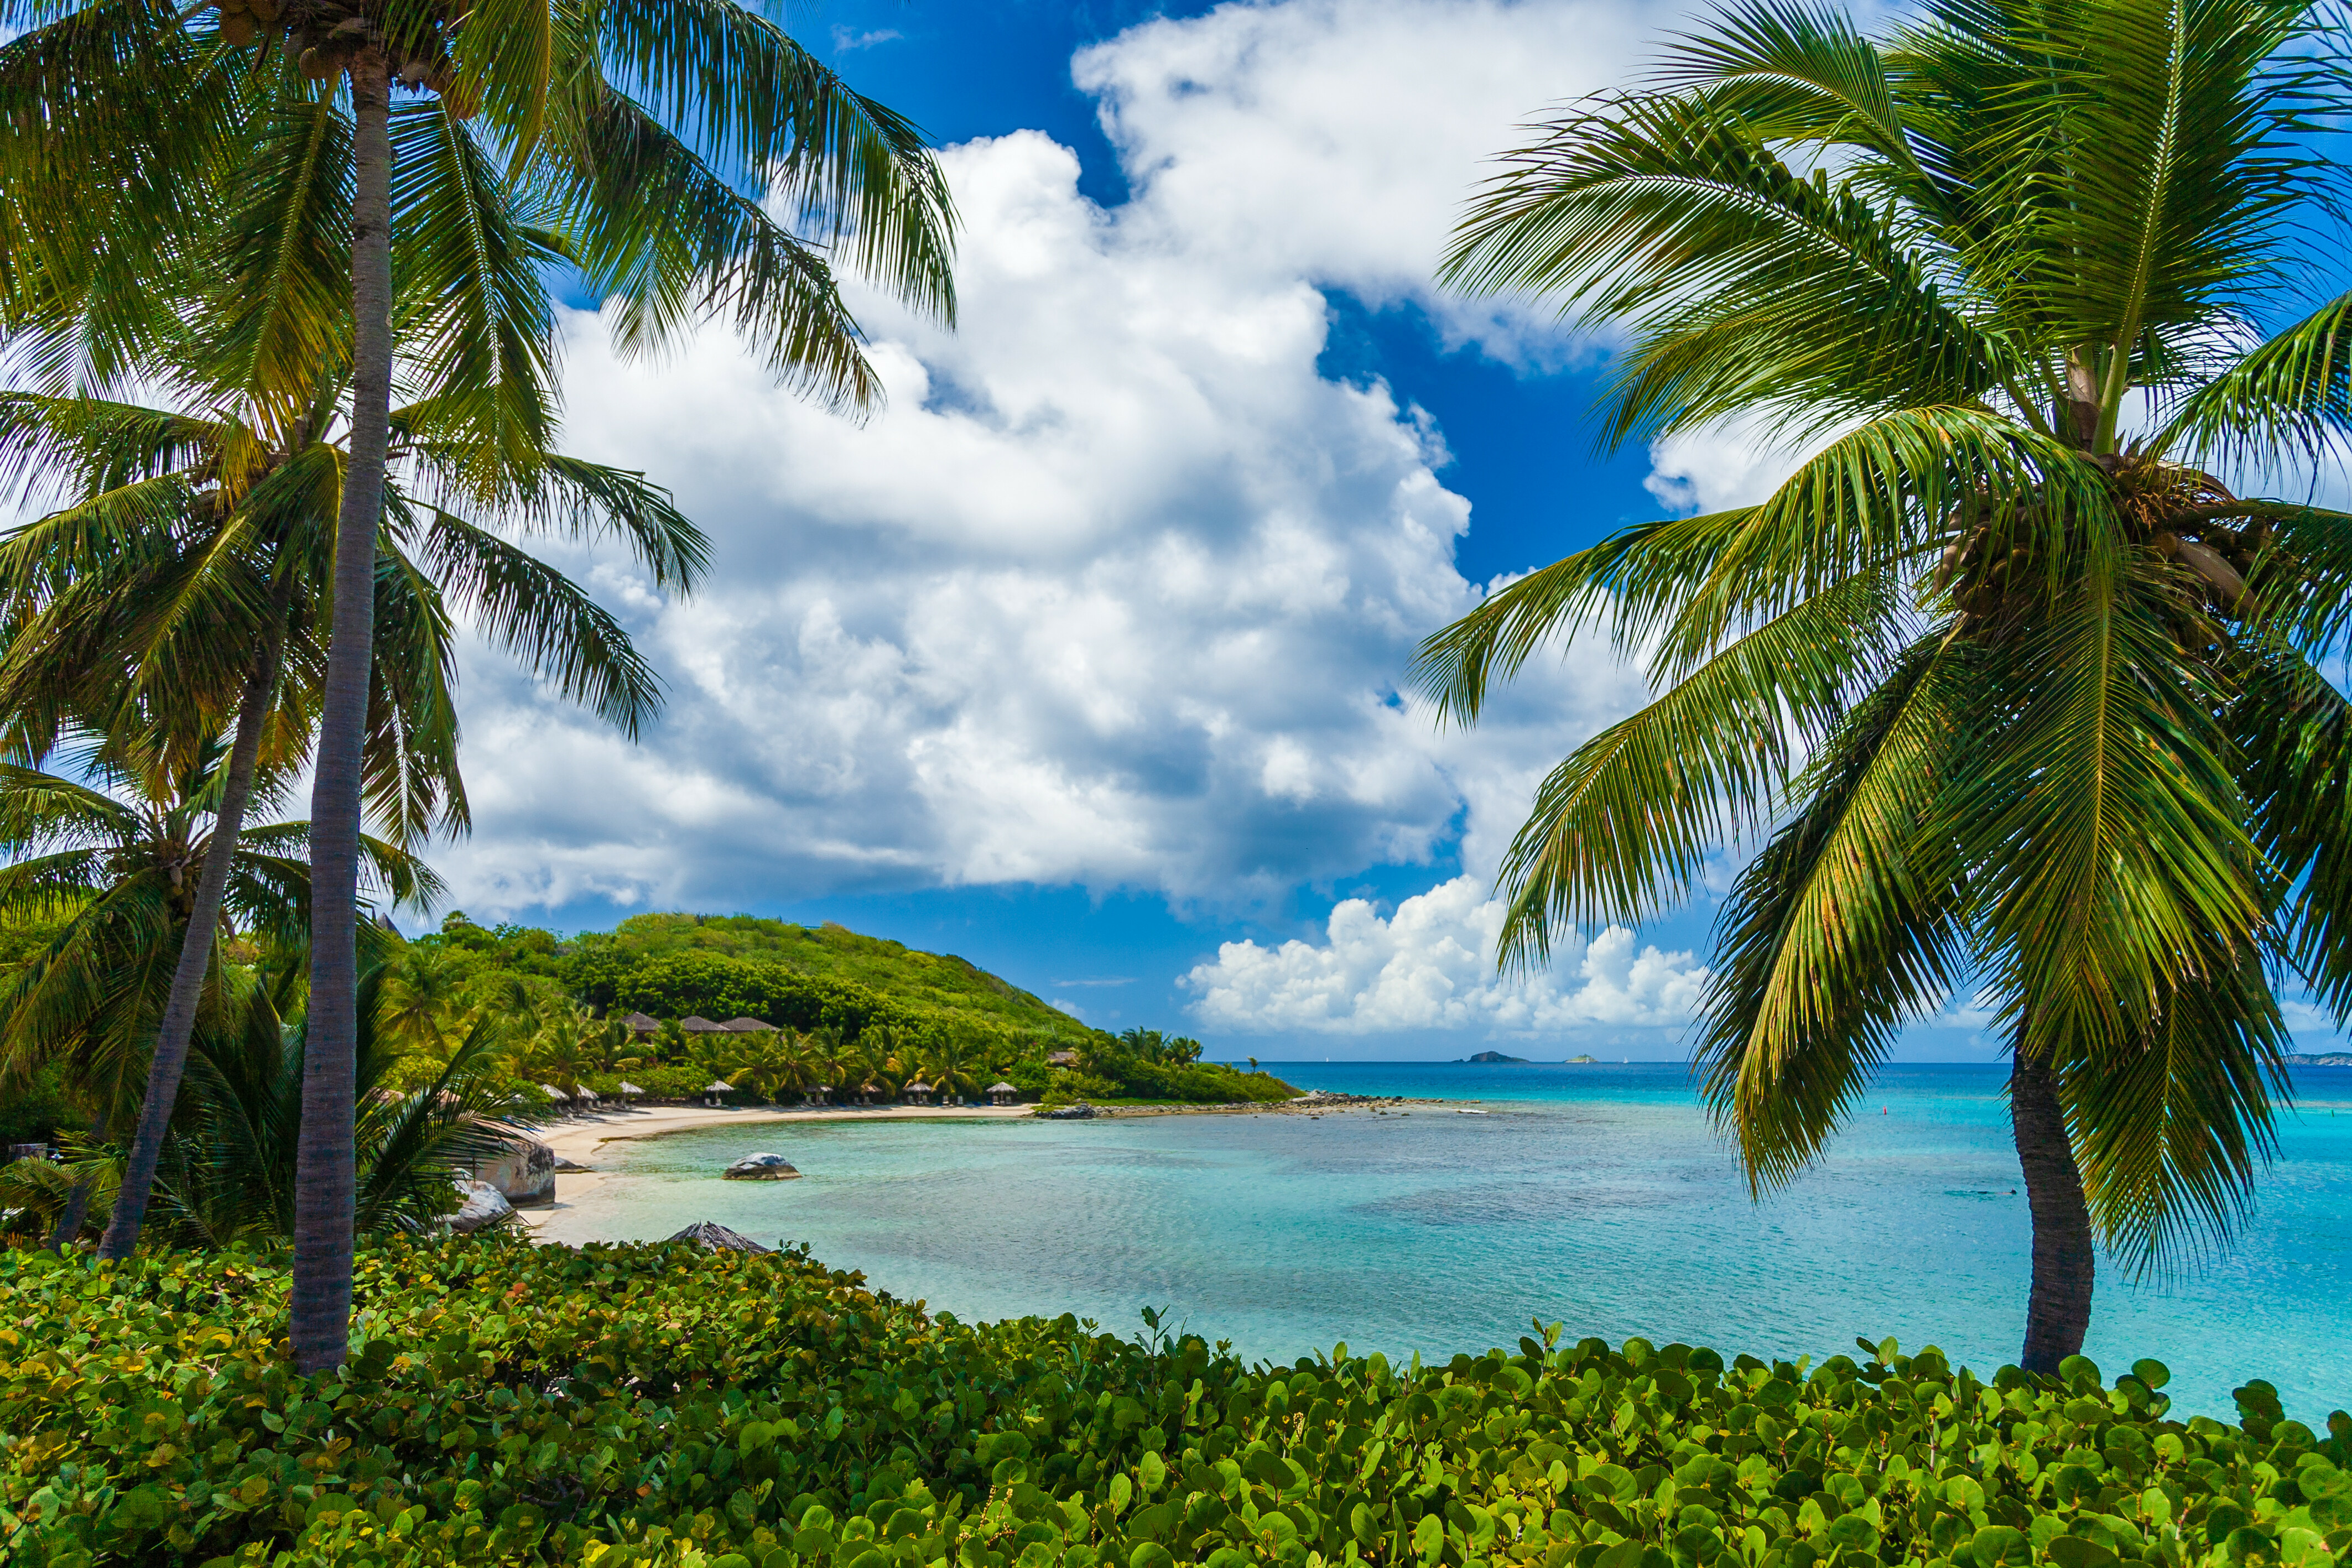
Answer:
[(1119, 589), (1430, 965)]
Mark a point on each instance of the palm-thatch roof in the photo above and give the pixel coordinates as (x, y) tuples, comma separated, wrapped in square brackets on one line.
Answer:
[(715, 1087), (629, 1088), (1002, 1088), (919, 1087), (1061, 1058), (588, 1094), (640, 1024), (700, 1024), (553, 1093), (751, 1026)]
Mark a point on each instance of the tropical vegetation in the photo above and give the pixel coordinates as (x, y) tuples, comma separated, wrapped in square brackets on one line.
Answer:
[(657, 1404), (2019, 695), (244, 166)]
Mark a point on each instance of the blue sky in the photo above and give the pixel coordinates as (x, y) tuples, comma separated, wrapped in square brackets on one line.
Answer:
[(1083, 659)]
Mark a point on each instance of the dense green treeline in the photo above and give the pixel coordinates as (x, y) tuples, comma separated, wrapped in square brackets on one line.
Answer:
[(609, 1405)]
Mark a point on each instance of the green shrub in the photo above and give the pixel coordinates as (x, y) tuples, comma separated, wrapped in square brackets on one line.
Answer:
[(653, 1404)]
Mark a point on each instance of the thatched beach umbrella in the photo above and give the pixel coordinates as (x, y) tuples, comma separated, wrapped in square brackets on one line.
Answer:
[(629, 1092), (919, 1092), (1002, 1093), (713, 1090)]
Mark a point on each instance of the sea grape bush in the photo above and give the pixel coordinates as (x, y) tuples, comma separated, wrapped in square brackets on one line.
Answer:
[(612, 1405)]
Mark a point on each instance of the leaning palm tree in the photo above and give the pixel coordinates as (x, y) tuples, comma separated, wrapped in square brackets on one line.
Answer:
[(646, 136), (2020, 690), (229, 1169), (115, 862), (190, 571)]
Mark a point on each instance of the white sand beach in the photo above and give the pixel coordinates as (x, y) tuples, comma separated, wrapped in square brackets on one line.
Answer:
[(578, 1138)]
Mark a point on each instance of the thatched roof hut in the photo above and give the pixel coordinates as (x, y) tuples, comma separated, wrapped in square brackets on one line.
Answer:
[(553, 1093), (714, 1089), (629, 1091), (640, 1024), (697, 1024), (750, 1026), (1002, 1093), (919, 1092)]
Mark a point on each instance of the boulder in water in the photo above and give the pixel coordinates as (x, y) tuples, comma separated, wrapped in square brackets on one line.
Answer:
[(485, 1205), (713, 1237), (760, 1168)]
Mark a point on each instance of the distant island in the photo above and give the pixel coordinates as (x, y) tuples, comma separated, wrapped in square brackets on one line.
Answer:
[(1587, 1061), (1495, 1056), (2332, 1058)]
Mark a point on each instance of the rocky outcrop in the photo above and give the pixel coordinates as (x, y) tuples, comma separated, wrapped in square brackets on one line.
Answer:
[(1077, 1112), (524, 1174), (713, 1237), (760, 1168), (485, 1205)]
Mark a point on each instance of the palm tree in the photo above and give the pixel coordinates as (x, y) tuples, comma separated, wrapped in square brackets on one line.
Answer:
[(2018, 688), (229, 1170), (178, 526), (640, 131), (419, 1000), (117, 867)]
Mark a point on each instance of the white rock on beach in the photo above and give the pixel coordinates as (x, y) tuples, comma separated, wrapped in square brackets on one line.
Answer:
[(485, 1205), (760, 1168)]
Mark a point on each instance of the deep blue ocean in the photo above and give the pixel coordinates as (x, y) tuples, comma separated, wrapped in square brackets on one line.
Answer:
[(1596, 1197)]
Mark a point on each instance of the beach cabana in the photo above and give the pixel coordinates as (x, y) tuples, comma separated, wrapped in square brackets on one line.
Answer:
[(553, 1093), (919, 1092), (629, 1092), (641, 1026), (750, 1026), (820, 1095), (1003, 1095), (712, 1091), (586, 1096)]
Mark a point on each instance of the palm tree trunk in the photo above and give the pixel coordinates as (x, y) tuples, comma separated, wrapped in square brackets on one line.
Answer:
[(76, 1211), (324, 1178), (2058, 1309), (171, 1055)]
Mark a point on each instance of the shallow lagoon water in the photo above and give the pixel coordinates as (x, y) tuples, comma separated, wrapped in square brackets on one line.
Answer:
[(1592, 1195)]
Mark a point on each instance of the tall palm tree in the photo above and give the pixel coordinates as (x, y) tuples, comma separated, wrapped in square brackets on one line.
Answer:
[(2019, 689), (648, 134), (179, 526)]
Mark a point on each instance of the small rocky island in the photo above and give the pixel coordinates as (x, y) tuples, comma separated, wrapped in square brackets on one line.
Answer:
[(1496, 1056)]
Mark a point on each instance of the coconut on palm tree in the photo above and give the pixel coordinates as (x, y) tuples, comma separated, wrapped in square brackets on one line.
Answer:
[(2014, 681)]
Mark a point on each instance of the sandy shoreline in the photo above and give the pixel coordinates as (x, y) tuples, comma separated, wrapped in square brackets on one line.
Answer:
[(578, 1139)]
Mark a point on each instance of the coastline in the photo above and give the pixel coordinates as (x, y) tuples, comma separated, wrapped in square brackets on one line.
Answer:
[(578, 1139)]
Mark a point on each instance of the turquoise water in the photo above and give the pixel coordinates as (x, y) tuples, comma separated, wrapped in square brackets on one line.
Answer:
[(1594, 1196)]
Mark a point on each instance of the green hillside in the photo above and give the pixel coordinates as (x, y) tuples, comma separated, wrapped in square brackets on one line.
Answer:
[(826, 981), (929, 982)]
